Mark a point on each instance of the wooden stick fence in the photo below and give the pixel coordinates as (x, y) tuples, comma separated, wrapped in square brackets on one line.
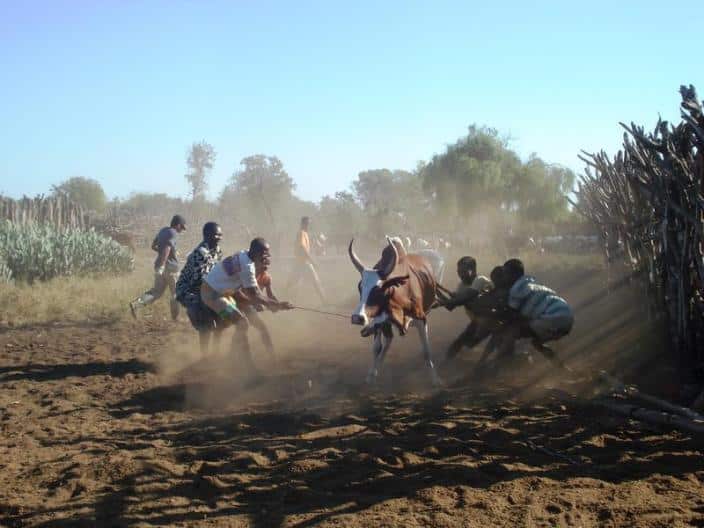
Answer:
[(58, 211), (648, 202)]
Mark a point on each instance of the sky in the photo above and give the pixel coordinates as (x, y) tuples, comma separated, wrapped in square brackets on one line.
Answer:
[(118, 90)]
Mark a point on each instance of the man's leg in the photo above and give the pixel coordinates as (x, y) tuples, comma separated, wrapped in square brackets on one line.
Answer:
[(241, 351), (465, 337), (506, 340), (550, 329), (173, 303), (148, 297), (293, 279), (313, 275), (257, 322)]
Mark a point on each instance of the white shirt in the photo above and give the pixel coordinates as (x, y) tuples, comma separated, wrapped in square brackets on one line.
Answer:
[(232, 273)]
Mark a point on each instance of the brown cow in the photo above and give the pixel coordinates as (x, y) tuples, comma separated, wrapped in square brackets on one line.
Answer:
[(397, 292)]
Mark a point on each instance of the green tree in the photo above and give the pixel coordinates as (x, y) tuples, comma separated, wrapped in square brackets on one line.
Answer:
[(86, 192), (393, 201), (481, 177), (200, 159), (260, 192), (541, 190), (341, 215)]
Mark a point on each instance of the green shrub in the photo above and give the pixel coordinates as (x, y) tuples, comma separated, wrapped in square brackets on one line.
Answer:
[(36, 252)]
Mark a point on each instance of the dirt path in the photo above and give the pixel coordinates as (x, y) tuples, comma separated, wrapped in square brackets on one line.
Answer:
[(101, 425)]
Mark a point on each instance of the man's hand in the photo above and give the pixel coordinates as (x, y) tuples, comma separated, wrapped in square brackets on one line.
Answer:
[(160, 271), (450, 304), (285, 305)]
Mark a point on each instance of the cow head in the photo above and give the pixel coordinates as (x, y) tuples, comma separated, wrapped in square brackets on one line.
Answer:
[(375, 288)]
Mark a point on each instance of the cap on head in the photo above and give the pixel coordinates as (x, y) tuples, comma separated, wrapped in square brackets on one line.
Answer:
[(178, 220)]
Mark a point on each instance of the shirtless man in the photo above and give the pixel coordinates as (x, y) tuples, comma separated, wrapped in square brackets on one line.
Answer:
[(304, 267)]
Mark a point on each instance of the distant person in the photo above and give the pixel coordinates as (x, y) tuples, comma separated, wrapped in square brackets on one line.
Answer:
[(198, 264), (304, 267), (165, 267), (221, 286)]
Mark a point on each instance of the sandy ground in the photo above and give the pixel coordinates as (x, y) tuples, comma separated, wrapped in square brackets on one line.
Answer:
[(113, 424)]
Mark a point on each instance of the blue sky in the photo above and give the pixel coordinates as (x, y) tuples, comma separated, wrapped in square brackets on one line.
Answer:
[(117, 91)]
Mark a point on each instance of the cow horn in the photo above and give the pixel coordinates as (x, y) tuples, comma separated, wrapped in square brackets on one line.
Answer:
[(389, 266), (355, 259)]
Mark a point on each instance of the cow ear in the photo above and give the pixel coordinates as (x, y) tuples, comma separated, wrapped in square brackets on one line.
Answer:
[(394, 282)]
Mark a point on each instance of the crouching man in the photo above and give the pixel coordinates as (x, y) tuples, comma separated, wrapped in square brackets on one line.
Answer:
[(535, 312), (198, 264), (239, 271)]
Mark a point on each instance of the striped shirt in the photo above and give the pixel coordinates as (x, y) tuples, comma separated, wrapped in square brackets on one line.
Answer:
[(535, 301)]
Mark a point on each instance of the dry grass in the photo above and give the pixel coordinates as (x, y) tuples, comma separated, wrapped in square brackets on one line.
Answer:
[(104, 297), (99, 297)]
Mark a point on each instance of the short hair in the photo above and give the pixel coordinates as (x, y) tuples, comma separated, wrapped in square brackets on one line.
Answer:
[(209, 228), (258, 246), (178, 220), (469, 262), (305, 219), (497, 276), (514, 269)]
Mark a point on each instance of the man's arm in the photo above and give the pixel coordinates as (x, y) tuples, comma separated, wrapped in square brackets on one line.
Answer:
[(255, 296), (161, 259), (461, 298)]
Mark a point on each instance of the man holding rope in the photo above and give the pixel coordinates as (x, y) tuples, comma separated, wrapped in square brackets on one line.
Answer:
[(229, 276)]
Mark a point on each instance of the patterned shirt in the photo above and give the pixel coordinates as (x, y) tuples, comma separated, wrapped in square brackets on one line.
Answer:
[(199, 263), (535, 301)]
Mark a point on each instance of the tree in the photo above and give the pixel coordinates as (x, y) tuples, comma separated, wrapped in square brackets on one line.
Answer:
[(479, 178), (201, 157), (393, 201), (260, 192), (341, 215), (86, 192)]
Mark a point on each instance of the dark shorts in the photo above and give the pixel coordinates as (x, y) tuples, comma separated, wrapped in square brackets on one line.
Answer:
[(202, 318)]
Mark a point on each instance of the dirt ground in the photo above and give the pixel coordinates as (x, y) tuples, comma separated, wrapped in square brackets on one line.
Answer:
[(113, 424)]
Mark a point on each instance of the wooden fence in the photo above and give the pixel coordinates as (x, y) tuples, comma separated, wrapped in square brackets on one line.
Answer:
[(58, 211), (648, 202)]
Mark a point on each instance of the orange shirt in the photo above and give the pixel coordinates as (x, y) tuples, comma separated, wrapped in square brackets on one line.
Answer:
[(302, 247)]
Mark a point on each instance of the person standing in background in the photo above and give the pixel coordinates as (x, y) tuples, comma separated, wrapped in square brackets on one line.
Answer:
[(165, 268), (304, 266)]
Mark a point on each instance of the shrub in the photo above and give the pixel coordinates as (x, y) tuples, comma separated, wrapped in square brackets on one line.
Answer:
[(35, 252)]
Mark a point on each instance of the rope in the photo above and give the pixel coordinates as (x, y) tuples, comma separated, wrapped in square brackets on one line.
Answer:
[(321, 312)]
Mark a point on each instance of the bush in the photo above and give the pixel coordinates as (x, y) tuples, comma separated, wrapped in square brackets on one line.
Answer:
[(35, 252)]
